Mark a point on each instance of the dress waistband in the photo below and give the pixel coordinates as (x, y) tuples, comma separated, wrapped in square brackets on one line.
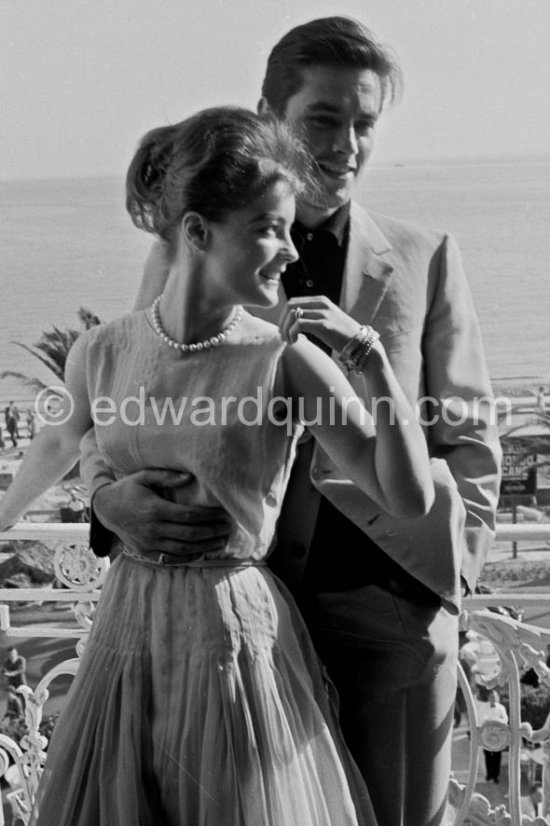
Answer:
[(158, 559)]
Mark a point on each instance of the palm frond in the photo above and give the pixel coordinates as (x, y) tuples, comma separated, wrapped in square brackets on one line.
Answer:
[(52, 349), (27, 381), (57, 367), (87, 318)]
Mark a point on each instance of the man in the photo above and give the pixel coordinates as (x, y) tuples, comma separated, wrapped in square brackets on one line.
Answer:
[(11, 416), (15, 668), (77, 506), (382, 605), (495, 711)]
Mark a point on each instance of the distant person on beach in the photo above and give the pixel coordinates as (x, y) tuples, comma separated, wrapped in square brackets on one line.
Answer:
[(383, 609), (11, 416), (31, 424), (15, 668), (14, 413), (540, 403)]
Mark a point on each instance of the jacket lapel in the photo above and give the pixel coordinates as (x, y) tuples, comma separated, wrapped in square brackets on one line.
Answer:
[(368, 270)]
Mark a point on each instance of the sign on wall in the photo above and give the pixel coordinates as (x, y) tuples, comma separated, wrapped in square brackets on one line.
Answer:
[(519, 472)]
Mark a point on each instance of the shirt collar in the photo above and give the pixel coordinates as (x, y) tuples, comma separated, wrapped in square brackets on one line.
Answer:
[(336, 225)]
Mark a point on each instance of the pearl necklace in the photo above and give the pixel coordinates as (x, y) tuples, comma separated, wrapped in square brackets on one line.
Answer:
[(213, 341)]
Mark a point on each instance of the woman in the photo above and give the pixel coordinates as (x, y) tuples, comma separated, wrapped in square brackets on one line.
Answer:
[(200, 698)]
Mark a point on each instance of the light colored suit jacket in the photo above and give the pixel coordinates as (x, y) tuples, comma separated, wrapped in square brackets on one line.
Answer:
[(409, 284)]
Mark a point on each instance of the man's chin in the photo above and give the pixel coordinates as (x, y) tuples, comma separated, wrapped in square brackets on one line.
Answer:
[(330, 195), (330, 200)]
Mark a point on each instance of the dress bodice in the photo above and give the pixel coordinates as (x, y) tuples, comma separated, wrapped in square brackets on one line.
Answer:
[(217, 413)]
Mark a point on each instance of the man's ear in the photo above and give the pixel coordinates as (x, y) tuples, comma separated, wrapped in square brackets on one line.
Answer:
[(263, 107), (195, 230)]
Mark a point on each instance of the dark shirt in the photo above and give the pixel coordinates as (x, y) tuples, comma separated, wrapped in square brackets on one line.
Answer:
[(320, 268), (15, 671), (358, 560)]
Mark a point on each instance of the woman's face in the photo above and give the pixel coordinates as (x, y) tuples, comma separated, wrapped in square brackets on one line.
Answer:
[(250, 248)]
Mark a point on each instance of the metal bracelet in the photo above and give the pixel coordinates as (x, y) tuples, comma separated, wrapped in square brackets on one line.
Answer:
[(354, 354)]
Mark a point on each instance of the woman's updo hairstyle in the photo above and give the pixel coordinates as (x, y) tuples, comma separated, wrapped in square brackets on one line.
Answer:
[(214, 162)]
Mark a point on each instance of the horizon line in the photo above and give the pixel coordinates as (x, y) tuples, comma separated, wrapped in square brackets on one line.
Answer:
[(450, 160)]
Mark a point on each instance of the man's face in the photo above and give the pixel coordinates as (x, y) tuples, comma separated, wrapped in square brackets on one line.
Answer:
[(336, 111)]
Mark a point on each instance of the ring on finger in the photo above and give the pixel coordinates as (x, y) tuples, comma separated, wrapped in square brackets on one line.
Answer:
[(298, 313)]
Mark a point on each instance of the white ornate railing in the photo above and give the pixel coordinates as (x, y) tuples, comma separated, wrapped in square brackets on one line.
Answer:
[(81, 575), (517, 645)]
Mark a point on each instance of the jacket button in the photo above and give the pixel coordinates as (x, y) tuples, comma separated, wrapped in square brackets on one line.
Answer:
[(271, 499), (315, 473)]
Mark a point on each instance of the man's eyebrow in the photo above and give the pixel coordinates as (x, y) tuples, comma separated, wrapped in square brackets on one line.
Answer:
[(325, 107), (332, 109)]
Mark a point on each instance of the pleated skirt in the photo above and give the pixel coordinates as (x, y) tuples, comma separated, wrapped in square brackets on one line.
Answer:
[(199, 701)]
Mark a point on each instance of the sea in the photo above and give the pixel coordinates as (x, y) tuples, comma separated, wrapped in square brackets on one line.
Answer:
[(67, 244)]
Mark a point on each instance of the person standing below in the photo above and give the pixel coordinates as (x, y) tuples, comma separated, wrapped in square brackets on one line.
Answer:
[(383, 609), (494, 711), (15, 668), (531, 804), (77, 506)]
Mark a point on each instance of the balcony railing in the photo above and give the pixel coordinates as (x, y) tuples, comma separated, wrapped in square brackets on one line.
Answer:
[(517, 646), (81, 574)]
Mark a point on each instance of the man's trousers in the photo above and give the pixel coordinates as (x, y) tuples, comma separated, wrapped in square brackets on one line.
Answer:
[(393, 659)]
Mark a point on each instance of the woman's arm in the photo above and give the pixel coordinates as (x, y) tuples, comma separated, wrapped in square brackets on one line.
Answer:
[(383, 451), (56, 448)]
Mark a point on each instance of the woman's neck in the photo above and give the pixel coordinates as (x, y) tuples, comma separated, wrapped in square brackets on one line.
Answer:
[(188, 313)]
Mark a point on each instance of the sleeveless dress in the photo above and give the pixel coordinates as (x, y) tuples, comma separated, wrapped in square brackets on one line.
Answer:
[(200, 700)]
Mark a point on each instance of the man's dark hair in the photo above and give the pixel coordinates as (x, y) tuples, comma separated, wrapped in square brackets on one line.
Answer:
[(328, 41)]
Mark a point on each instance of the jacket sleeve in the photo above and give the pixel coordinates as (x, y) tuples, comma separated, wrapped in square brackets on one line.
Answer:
[(95, 473), (459, 410)]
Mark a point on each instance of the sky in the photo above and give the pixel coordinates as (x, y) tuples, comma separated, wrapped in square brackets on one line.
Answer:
[(82, 80)]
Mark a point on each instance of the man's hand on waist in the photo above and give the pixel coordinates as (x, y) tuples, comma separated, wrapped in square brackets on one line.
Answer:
[(135, 510)]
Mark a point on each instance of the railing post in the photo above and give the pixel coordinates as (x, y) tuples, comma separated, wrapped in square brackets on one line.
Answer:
[(4, 617), (514, 521), (546, 778)]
